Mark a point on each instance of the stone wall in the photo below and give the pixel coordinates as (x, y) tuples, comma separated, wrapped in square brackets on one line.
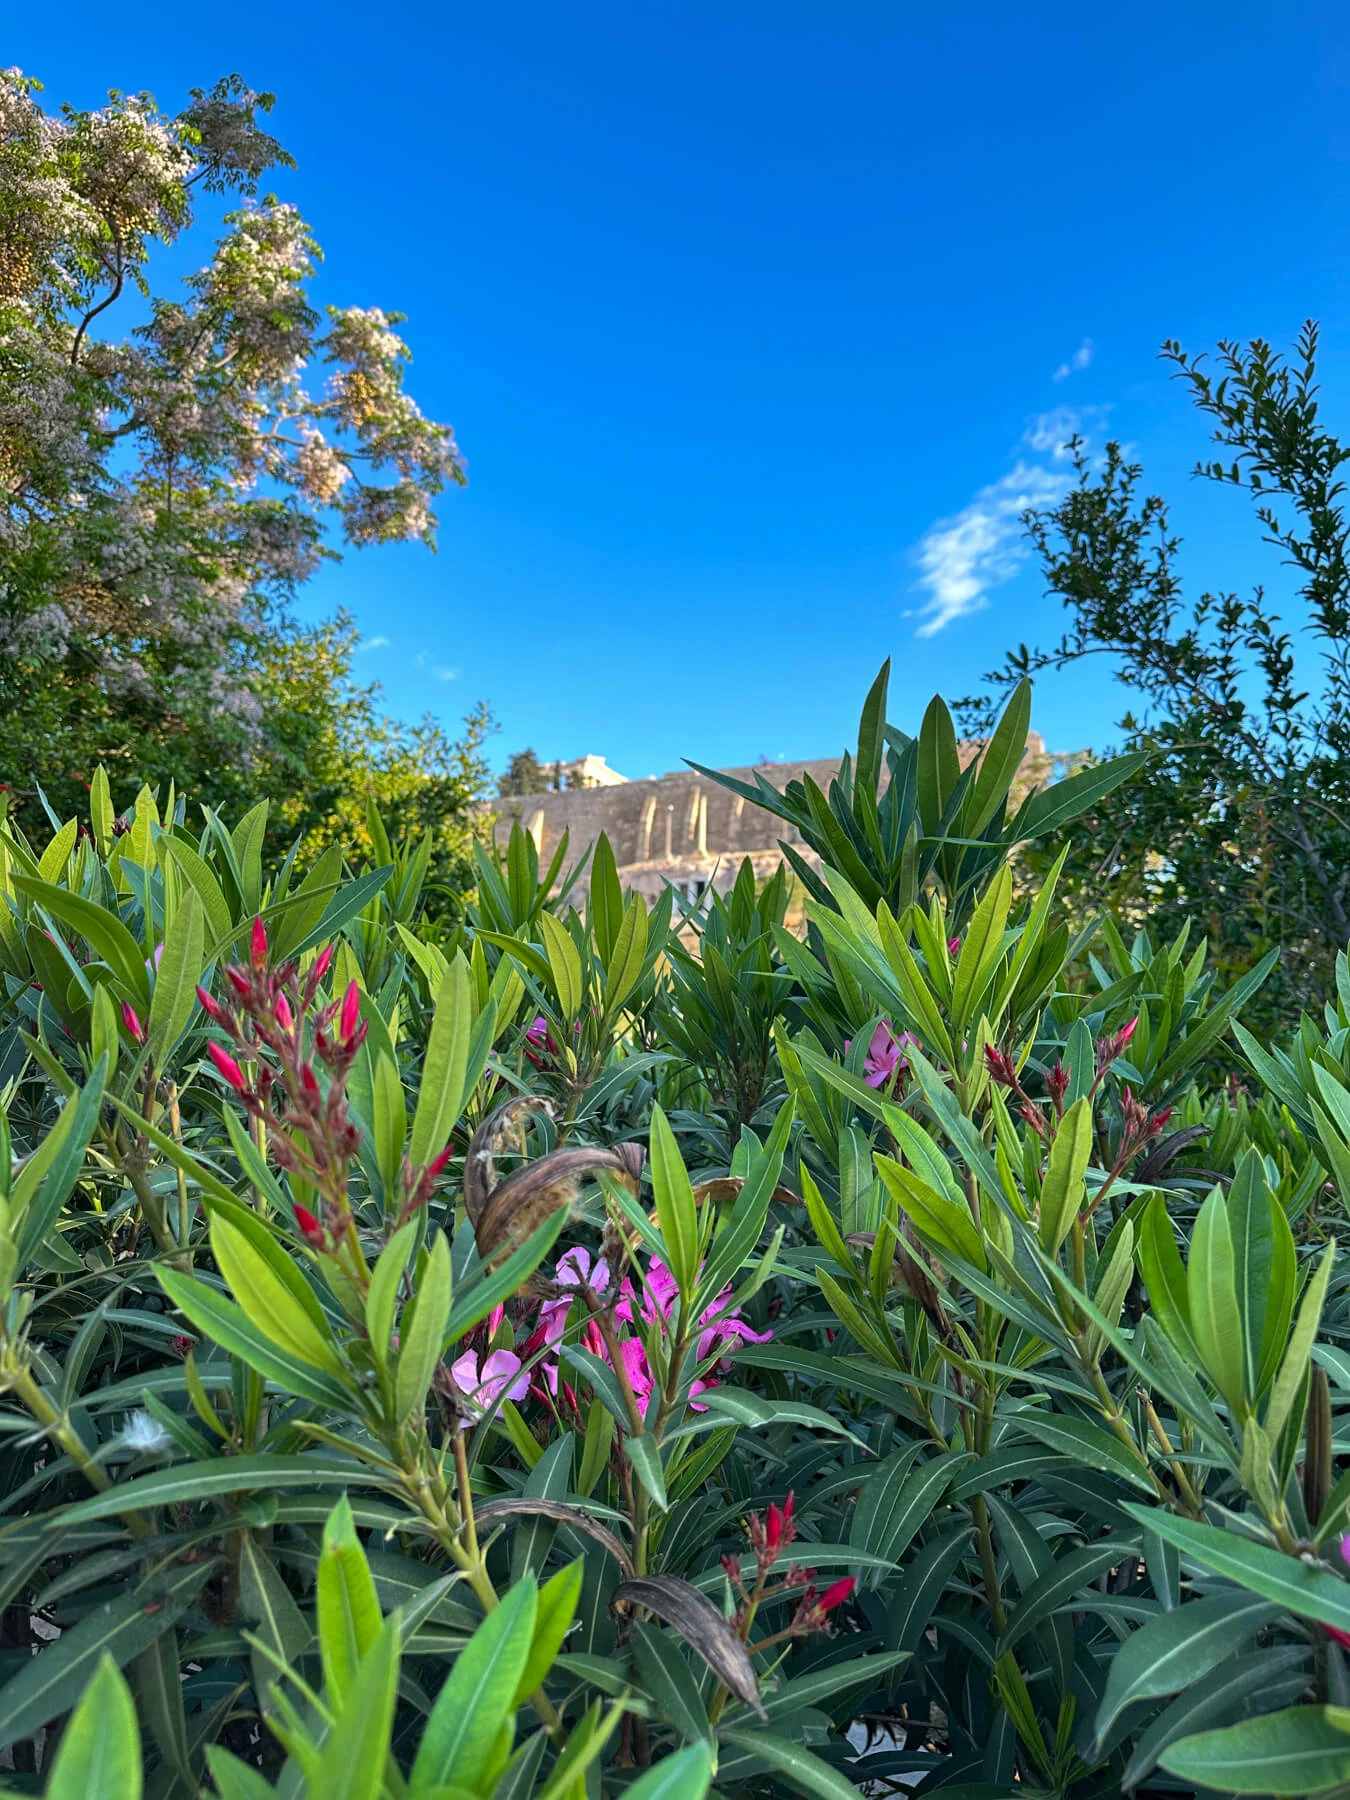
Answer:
[(682, 827)]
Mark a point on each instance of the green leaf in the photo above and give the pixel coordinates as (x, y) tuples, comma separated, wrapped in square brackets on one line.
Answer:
[(645, 1456), (1304, 1589), (478, 1700), (1047, 809), (896, 1501), (56, 1164), (806, 1772), (1172, 1652), (100, 1752), (624, 966), (180, 968), (382, 1297), (263, 1281), (48, 1685), (676, 1213), (203, 883), (1295, 1364), (1000, 762), (159, 1693), (1165, 1277), (424, 1332), (687, 1775), (1295, 1751), (668, 1678), (749, 1409), (185, 1483), (479, 1293), (356, 1754), (101, 815), (348, 1608), (1063, 1190), (1068, 1577), (101, 929), (553, 1619), (1271, 1676), (228, 1325), (949, 1228), (921, 1588), (822, 1684), (1086, 1443), (1211, 1291), (57, 854), (457, 1049), (267, 1603), (564, 966)]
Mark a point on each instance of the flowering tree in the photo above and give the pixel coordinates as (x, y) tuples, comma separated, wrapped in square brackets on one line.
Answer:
[(164, 493)]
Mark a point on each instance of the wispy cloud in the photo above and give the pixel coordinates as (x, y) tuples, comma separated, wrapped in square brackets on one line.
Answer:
[(1080, 359), (444, 674), (978, 548), (963, 557), (372, 643), (1049, 433)]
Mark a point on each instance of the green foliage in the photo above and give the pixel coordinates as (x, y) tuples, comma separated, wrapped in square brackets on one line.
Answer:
[(1241, 699), (511, 1350)]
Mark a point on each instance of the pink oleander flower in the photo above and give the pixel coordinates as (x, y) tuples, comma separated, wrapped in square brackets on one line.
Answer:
[(885, 1057), (722, 1330), (575, 1270), (499, 1374)]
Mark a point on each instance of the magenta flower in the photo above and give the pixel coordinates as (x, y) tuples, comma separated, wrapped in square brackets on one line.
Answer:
[(885, 1058), (722, 1330), (575, 1270), (499, 1374)]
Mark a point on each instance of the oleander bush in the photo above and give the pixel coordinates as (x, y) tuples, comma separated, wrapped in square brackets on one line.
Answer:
[(536, 1346)]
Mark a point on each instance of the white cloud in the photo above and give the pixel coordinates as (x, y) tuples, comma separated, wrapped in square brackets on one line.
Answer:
[(372, 643), (443, 674), (963, 557), (960, 558), (1048, 433), (1080, 359)]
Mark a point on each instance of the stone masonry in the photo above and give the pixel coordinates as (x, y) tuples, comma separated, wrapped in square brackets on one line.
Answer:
[(682, 828)]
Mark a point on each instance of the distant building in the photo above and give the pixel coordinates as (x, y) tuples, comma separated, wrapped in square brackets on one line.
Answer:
[(681, 828)]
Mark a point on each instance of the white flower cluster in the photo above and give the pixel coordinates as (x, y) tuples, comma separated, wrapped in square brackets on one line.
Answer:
[(176, 479)]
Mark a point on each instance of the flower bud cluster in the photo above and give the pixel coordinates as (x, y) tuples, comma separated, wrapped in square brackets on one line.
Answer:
[(771, 1534), (291, 1059)]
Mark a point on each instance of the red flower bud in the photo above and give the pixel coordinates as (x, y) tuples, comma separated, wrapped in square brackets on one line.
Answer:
[(281, 1011), (322, 964), (836, 1594), (237, 979), (212, 1008), (135, 1030), (257, 943), (309, 1228), (228, 1067), (437, 1166), (351, 1011)]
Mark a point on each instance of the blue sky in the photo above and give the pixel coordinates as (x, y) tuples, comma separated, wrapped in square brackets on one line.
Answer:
[(755, 321)]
